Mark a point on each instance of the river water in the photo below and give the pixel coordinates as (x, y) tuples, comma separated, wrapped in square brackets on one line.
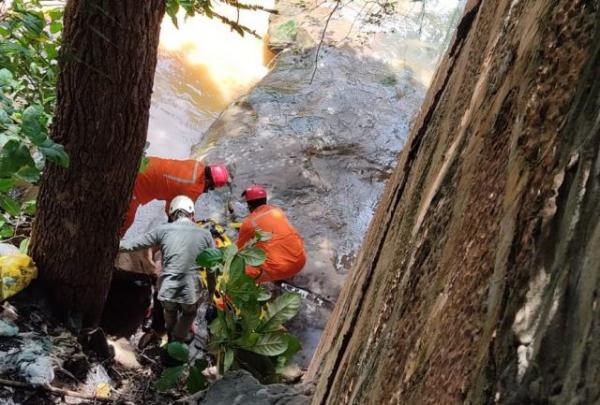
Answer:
[(202, 67)]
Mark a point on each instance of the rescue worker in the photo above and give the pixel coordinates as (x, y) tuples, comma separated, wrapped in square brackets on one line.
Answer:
[(180, 242), (284, 248), (164, 179)]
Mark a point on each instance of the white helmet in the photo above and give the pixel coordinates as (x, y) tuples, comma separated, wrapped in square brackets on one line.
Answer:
[(181, 202)]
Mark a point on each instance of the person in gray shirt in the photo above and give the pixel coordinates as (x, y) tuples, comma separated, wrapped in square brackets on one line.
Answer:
[(180, 241)]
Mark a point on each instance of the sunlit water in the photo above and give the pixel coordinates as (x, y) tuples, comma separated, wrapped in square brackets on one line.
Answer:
[(202, 67)]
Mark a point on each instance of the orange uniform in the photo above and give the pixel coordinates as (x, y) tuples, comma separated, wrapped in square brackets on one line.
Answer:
[(165, 179), (284, 249)]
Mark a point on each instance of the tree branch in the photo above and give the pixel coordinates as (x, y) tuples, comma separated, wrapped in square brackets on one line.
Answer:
[(337, 4)]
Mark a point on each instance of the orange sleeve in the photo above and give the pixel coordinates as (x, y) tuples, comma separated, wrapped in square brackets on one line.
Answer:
[(246, 233)]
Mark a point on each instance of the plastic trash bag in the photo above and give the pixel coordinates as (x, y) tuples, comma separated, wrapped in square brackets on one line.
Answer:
[(16, 273)]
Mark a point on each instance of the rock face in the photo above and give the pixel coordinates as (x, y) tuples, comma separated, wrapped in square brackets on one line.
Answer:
[(479, 278), (239, 387), (325, 147)]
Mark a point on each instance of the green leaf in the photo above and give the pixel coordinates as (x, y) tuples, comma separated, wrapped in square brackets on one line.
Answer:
[(284, 308), (172, 9), (228, 361), (247, 340), (55, 152), (271, 345), (51, 51), (6, 77), (209, 258), (250, 315), (29, 207), (196, 380), (30, 174), (144, 164), (4, 117), (218, 327), (55, 14), (169, 378), (55, 26), (31, 125), (229, 252), (13, 156), (9, 205), (253, 256), (6, 184), (294, 346), (264, 295), (178, 351), (6, 231), (24, 245)]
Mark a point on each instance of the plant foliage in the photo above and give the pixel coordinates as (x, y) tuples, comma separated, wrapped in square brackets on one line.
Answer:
[(30, 38), (248, 322)]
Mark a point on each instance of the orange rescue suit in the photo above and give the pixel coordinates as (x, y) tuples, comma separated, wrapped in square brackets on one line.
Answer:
[(165, 179), (284, 249)]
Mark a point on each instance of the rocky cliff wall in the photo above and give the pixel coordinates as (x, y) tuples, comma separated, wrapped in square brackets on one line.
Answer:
[(479, 278)]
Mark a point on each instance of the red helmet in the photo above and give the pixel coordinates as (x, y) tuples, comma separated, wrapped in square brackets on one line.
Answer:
[(254, 192), (219, 175)]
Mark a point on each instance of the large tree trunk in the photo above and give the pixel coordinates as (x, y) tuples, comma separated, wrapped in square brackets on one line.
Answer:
[(480, 275), (104, 90)]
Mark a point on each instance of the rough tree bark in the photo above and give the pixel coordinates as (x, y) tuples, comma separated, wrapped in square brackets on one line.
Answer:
[(479, 278), (104, 90)]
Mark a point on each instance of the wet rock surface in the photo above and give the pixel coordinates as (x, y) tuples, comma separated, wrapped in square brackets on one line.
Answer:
[(324, 145), (239, 387)]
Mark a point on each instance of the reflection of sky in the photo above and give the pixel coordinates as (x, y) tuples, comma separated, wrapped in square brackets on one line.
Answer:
[(202, 67)]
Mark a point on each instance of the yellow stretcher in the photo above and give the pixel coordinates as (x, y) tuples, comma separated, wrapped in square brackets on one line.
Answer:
[(221, 238)]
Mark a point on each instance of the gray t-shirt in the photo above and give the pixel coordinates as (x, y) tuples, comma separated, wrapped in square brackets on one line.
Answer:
[(180, 243)]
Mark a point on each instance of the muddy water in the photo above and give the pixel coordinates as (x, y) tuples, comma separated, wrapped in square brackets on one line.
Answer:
[(202, 68)]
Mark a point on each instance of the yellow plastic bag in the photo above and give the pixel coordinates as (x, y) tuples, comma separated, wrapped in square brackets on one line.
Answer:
[(16, 272)]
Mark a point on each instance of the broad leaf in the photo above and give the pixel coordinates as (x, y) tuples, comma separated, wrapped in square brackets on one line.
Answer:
[(6, 184), (271, 345), (294, 347), (209, 257), (246, 340), (31, 124), (169, 378), (6, 77), (55, 27), (264, 295), (30, 174), (281, 310), (13, 156), (253, 256), (228, 360), (229, 252), (55, 152), (9, 205), (178, 351), (24, 246), (196, 380), (171, 9)]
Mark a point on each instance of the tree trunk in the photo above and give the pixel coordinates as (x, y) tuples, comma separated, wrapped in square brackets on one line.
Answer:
[(104, 89), (479, 278)]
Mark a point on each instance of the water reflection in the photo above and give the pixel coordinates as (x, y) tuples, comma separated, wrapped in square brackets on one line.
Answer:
[(203, 66)]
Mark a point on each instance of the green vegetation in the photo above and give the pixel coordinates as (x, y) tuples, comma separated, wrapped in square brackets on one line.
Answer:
[(187, 368), (248, 330), (29, 47)]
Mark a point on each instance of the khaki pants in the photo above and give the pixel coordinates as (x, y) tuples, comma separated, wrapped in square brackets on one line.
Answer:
[(179, 319)]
